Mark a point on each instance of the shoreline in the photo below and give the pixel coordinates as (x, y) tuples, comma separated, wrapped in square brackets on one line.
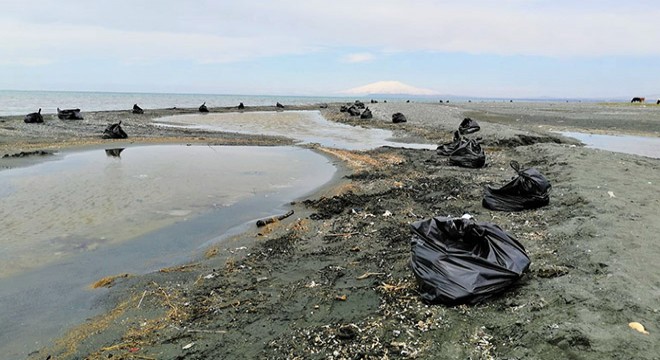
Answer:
[(301, 284)]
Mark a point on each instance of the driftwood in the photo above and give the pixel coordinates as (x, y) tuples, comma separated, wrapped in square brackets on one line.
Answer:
[(270, 220)]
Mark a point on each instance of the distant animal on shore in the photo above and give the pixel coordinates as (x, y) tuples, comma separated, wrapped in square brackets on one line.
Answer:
[(637, 100)]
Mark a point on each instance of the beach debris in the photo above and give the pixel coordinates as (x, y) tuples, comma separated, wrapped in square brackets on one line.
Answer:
[(368, 275), (387, 213), (279, 105), (343, 108), (468, 154), (188, 346), (34, 118), (323, 106), (468, 126), (241, 106), (341, 297), (448, 148), (638, 327), (109, 281), (69, 114), (359, 104), (347, 332), (366, 114), (459, 260), (312, 284), (611, 194), (270, 220), (398, 118), (137, 109), (114, 131), (203, 108), (374, 101), (114, 152), (529, 190), (353, 111), (23, 154)]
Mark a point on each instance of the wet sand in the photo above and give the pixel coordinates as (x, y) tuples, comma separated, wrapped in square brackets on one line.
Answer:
[(333, 281)]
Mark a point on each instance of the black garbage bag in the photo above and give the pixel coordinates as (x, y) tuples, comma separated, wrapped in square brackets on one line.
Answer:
[(353, 111), (398, 118), (366, 114), (468, 154), (137, 109), (34, 118), (203, 108), (279, 105), (343, 108), (69, 114), (458, 260), (114, 131), (529, 190), (359, 104), (468, 126), (241, 106), (448, 148)]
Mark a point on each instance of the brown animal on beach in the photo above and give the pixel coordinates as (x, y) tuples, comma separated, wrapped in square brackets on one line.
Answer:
[(637, 99)]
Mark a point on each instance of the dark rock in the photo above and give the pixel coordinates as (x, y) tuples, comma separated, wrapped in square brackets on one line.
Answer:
[(114, 131), (34, 118), (137, 109), (366, 114), (69, 114), (398, 118), (203, 108)]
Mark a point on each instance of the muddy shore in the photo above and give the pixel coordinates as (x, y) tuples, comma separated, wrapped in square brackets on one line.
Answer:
[(333, 282)]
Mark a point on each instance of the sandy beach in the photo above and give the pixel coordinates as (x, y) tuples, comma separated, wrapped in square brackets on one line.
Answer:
[(333, 281)]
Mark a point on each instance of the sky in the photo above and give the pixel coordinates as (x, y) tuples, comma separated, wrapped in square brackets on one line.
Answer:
[(504, 48)]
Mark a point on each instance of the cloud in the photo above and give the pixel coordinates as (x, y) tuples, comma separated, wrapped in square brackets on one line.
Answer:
[(220, 32), (358, 58), (389, 88)]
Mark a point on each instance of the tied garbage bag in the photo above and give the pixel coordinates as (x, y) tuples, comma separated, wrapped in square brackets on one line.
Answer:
[(114, 131), (468, 154), (461, 261), (448, 148), (529, 190), (468, 126)]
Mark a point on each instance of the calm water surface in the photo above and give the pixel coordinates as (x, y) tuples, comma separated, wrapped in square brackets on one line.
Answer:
[(85, 215), (637, 145)]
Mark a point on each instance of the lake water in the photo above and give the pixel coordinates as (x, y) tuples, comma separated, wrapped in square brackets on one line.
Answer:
[(637, 145), (307, 127), (82, 216)]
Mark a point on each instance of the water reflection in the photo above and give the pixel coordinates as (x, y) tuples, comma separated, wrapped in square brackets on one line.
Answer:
[(114, 152), (637, 145)]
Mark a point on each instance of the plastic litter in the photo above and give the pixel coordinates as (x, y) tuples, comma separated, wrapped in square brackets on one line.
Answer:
[(529, 190), (461, 261), (468, 154), (448, 148), (398, 118), (468, 126), (114, 131)]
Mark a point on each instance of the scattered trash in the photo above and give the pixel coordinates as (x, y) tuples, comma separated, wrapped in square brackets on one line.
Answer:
[(468, 126), (270, 220), (34, 118), (114, 131), (137, 109), (366, 114), (69, 114), (468, 154), (638, 327), (188, 346), (359, 104), (529, 190), (448, 148), (279, 105), (341, 298), (241, 106), (353, 111), (611, 194), (387, 213), (398, 118), (203, 108), (459, 261), (368, 275)]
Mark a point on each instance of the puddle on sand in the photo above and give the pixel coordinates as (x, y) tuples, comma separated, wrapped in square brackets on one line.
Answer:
[(636, 145), (69, 222), (305, 126)]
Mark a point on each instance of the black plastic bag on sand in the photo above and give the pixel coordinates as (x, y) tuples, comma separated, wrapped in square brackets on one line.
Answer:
[(468, 154), (114, 131), (468, 126), (448, 148), (529, 190), (460, 261)]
